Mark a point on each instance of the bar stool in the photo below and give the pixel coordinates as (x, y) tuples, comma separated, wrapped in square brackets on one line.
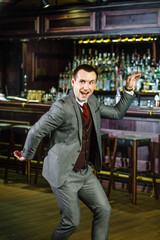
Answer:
[(18, 135), (132, 144), (5, 132), (105, 150)]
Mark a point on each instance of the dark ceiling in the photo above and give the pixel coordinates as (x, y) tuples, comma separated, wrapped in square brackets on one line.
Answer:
[(35, 5)]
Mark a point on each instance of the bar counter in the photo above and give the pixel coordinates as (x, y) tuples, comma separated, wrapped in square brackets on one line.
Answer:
[(42, 108), (22, 111), (138, 122), (24, 105)]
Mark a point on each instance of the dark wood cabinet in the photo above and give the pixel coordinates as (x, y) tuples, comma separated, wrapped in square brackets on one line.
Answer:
[(71, 23), (114, 19), (131, 21), (19, 26)]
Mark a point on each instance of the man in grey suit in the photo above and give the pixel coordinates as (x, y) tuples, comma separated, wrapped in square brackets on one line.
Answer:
[(75, 149)]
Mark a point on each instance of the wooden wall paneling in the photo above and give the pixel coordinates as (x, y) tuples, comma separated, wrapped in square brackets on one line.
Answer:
[(1, 69), (12, 60), (46, 58), (24, 50)]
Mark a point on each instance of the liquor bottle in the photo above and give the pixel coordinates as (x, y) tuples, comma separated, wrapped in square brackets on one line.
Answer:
[(75, 62), (116, 77), (104, 62), (118, 96), (82, 59), (107, 82), (101, 82), (109, 61), (96, 59), (25, 85), (148, 56), (138, 63), (93, 61), (90, 56), (122, 63), (85, 59), (132, 63), (113, 86), (60, 84), (128, 65), (99, 67), (142, 69), (63, 81), (113, 61)]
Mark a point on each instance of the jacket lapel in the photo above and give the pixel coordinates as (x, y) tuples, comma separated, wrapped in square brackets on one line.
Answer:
[(92, 108), (77, 111)]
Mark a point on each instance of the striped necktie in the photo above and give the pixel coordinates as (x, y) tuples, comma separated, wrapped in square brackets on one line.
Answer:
[(86, 112)]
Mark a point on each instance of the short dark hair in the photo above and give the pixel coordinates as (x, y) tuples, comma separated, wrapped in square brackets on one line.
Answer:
[(85, 67)]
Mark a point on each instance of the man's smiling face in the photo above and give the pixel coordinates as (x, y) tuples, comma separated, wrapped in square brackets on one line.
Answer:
[(84, 84)]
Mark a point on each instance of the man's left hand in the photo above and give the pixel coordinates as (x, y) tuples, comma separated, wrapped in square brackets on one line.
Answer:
[(131, 81)]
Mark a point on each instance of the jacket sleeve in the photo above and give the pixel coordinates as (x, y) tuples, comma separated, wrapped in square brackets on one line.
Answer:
[(49, 122), (118, 111)]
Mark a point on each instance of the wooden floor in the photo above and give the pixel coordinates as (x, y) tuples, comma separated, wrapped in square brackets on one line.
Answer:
[(30, 212)]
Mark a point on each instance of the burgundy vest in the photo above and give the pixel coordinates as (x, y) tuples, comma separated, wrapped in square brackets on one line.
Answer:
[(86, 141)]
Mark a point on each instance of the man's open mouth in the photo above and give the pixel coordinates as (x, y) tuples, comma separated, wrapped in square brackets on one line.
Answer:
[(84, 93)]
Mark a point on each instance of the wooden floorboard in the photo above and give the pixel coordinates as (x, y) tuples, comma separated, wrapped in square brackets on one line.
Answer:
[(30, 212)]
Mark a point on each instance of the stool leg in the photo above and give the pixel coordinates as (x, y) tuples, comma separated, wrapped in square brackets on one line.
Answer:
[(28, 170), (130, 167), (151, 159), (134, 180), (122, 165), (112, 168), (7, 165), (6, 170), (103, 149), (39, 155), (108, 151), (37, 171), (8, 158), (23, 168)]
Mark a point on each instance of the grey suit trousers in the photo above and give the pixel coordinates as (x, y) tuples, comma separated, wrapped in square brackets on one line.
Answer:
[(85, 186)]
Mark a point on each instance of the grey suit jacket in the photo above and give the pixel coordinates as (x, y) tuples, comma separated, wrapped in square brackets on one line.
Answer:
[(63, 121)]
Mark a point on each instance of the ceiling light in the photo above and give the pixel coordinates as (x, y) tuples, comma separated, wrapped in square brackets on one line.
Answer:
[(45, 4)]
